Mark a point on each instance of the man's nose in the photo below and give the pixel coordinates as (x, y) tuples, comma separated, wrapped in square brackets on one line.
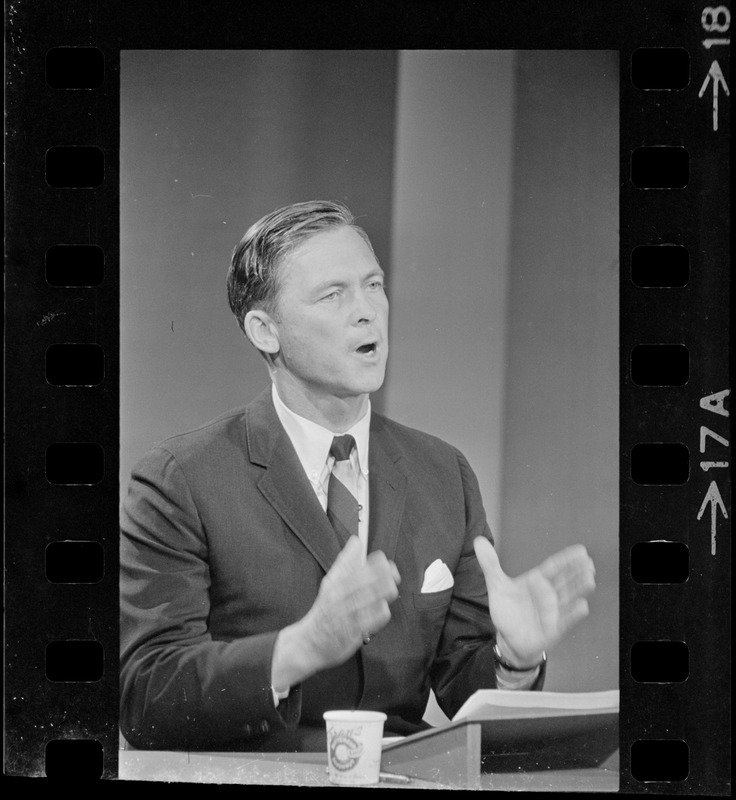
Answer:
[(365, 309)]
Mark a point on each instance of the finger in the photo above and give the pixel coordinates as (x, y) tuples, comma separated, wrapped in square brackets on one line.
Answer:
[(570, 586), (488, 560), (374, 618), (570, 559), (378, 562), (373, 582), (545, 600), (372, 594), (581, 584), (378, 557), (577, 612), (348, 560), (361, 613), (570, 566)]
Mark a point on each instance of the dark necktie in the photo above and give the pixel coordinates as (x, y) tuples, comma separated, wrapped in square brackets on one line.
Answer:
[(342, 505)]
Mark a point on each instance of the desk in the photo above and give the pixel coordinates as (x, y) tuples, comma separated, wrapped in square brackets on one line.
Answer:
[(309, 769)]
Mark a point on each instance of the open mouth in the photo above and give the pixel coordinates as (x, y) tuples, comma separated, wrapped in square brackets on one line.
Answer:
[(367, 349)]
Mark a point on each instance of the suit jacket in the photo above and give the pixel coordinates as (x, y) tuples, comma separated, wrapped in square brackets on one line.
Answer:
[(224, 543)]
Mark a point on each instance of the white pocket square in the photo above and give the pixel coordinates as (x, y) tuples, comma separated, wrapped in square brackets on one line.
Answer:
[(437, 577)]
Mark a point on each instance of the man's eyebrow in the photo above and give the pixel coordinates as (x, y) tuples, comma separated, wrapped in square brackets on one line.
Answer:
[(375, 273)]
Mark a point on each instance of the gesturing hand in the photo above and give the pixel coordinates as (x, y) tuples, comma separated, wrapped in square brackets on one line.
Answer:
[(353, 600), (533, 612)]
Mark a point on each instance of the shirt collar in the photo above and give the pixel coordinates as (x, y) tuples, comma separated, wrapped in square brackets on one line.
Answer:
[(312, 441)]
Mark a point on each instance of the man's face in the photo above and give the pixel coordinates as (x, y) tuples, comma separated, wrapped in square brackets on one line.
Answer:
[(332, 316)]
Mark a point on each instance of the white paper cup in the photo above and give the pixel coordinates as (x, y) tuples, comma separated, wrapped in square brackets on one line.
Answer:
[(354, 746)]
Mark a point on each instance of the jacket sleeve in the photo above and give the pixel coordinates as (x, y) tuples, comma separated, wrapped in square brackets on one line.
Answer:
[(180, 689), (465, 662)]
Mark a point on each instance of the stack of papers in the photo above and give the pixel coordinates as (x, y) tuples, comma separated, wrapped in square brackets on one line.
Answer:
[(577, 724), (506, 704)]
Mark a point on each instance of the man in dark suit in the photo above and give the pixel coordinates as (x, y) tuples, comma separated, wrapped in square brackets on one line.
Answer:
[(305, 553)]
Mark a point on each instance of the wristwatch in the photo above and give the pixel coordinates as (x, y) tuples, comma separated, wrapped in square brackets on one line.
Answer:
[(510, 667)]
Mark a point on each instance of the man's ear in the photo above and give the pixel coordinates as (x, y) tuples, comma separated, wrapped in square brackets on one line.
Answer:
[(262, 331)]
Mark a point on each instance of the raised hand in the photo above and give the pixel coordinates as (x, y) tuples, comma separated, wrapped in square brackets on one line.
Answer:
[(352, 602), (533, 612)]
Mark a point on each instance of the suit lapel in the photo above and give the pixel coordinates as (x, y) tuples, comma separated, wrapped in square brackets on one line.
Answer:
[(284, 483), (387, 490), (288, 490)]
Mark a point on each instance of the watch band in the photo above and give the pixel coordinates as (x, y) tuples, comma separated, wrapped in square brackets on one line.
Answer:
[(510, 667)]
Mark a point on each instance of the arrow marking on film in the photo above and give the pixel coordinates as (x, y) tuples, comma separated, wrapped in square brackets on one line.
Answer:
[(718, 79), (713, 496)]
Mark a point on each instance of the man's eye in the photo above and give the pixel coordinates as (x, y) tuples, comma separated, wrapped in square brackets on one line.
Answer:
[(330, 296), (377, 285)]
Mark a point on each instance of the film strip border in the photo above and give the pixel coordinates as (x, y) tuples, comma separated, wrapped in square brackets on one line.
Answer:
[(61, 547), (62, 440), (675, 385)]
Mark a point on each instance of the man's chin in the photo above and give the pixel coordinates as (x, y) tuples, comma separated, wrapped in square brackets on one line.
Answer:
[(367, 386), (377, 382)]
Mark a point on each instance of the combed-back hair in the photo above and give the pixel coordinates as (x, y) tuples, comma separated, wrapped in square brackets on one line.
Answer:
[(252, 280)]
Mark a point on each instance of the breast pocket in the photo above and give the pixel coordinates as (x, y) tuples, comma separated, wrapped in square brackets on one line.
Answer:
[(426, 600), (427, 619)]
